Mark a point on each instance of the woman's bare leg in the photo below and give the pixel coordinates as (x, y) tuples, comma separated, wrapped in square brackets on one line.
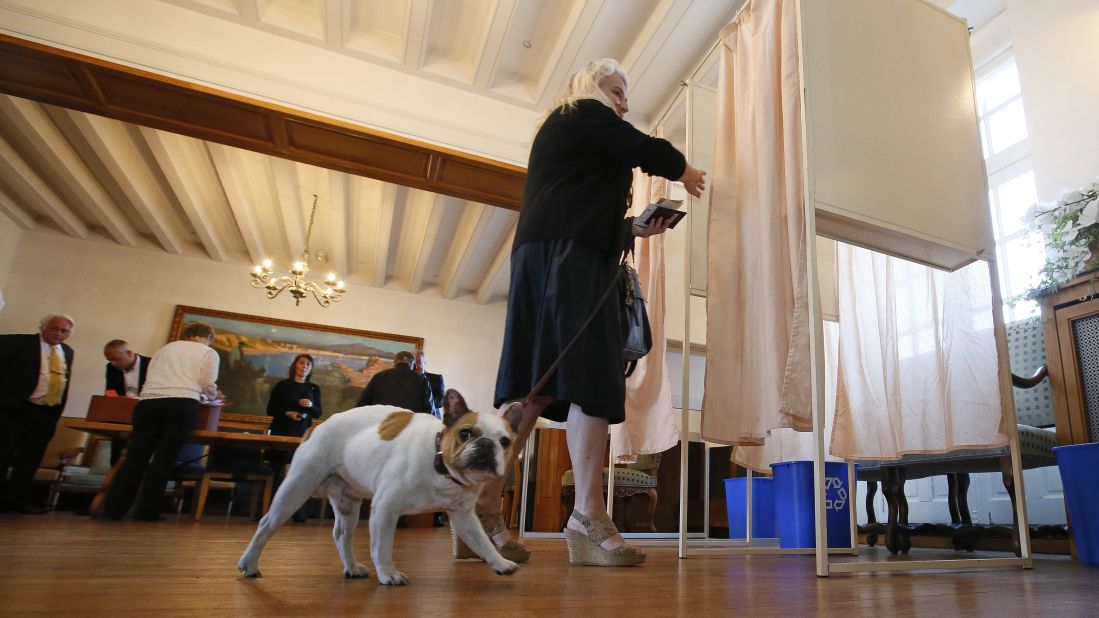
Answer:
[(587, 440)]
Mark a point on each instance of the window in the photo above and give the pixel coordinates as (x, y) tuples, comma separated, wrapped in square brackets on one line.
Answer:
[(1019, 254)]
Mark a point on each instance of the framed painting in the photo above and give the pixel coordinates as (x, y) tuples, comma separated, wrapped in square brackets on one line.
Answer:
[(256, 352)]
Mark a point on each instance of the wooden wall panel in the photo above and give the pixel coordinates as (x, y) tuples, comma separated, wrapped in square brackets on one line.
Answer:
[(358, 153)]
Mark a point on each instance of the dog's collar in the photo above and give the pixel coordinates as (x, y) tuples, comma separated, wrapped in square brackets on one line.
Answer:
[(440, 467)]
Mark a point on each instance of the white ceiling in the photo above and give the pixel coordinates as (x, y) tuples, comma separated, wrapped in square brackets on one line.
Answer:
[(91, 177), (94, 178)]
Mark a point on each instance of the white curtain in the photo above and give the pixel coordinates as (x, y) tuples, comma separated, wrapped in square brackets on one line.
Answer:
[(651, 425), (791, 445), (757, 361), (918, 369)]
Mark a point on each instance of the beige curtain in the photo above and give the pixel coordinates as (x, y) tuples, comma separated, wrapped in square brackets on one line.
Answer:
[(917, 358), (791, 445), (651, 425), (757, 361)]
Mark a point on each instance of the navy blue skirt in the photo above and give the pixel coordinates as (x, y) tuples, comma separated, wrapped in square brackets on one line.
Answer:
[(555, 285)]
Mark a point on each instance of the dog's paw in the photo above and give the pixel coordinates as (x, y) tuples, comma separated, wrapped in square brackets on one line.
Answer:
[(505, 567), (249, 570), (392, 578), (359, 572)]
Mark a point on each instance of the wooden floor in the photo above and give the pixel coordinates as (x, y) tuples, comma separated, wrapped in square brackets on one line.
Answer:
[(61, 563)]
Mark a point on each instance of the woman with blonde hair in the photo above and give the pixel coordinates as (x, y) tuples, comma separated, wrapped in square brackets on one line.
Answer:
[(571, 233)]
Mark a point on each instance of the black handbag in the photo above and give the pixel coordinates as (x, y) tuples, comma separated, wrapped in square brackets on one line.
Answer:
[(637, 337)]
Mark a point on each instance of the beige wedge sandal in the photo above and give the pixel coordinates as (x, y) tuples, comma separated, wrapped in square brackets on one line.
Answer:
[(493, 524), (586, 549)]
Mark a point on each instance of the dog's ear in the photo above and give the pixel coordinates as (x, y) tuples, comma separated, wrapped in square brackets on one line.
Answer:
[(513, 414), (453, 407)]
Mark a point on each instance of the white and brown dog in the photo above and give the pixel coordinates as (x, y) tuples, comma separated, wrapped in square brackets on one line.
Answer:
[(404, 463)]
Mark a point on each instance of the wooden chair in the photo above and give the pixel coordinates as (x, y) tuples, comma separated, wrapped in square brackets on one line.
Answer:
[(82, 470), (630, 480), (65, 448), (234, 466), (1036, 440)]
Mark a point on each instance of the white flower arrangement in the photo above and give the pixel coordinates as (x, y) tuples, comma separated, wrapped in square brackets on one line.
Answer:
[(1070, 229)]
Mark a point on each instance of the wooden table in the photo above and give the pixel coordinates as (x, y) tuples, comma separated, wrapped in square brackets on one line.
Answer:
[(197, 436)]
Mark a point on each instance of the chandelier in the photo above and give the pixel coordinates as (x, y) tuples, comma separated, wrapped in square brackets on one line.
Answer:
[(332, 290)]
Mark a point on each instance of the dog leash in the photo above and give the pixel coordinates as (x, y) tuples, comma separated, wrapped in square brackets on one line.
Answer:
[(541, 383)]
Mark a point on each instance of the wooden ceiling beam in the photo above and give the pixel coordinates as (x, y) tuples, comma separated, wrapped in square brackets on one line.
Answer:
[(199, 213), (429, 237), (53, 148), (27, 185), (21, 217), (59, 77), (467, 237), (497, 272), (116, 149), (387, 207)]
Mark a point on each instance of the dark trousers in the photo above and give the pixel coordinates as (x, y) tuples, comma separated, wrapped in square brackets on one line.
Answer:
[(27, 431), (278, 460), (160, 428)]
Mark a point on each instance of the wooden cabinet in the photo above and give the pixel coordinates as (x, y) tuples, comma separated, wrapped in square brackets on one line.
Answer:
[(1070, 324)]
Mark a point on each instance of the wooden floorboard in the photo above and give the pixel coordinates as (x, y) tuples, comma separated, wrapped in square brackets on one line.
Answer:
[(63, 564)]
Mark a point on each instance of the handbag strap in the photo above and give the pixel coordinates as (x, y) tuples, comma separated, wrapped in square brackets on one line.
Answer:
[(541, 383)]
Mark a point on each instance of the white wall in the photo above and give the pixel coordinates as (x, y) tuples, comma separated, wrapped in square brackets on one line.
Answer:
[(115, 292), (1057, 52), (10, 233)]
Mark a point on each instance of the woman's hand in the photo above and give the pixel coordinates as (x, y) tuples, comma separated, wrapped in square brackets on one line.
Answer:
[(305, 403), (293, 415), (655, 226), (693, 180)]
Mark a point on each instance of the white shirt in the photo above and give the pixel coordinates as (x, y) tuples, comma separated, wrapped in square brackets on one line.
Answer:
[(38, 396), (130, 378), (185, 369)]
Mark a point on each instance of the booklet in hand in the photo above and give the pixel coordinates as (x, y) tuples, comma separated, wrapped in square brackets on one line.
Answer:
[(664, 209)]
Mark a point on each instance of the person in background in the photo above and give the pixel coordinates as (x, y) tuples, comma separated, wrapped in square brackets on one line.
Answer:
[(434, 380), (399, 386), (34, 386), (571, 232), (293, 406), (181, 376), (125, 376)]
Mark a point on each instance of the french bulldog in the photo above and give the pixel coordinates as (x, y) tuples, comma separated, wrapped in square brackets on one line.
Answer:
[(403, 463)]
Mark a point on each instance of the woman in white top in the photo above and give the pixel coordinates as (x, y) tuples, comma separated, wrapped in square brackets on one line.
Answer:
[(181, 375)]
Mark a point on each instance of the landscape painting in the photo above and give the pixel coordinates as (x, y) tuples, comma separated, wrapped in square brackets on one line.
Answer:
[(256, 352)]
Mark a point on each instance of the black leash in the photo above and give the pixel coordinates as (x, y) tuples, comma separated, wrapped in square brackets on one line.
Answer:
[(538, 386)]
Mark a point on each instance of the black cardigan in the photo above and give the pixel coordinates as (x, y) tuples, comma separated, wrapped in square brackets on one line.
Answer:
[(284, 398), (580, 172)]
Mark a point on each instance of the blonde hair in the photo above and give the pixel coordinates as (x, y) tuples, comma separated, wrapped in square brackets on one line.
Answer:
[(584, 84)]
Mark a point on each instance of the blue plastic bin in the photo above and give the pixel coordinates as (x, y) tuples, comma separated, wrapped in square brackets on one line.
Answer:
[(763, 508), (794, 504), (1078, 464)]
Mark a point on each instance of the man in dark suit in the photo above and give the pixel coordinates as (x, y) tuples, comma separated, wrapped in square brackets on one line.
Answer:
[(434, 380), (34, 385), (399, 386), (125, 369), (125, 377)]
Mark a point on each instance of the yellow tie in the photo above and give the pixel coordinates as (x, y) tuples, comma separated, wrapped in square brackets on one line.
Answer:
[(56, 384)]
